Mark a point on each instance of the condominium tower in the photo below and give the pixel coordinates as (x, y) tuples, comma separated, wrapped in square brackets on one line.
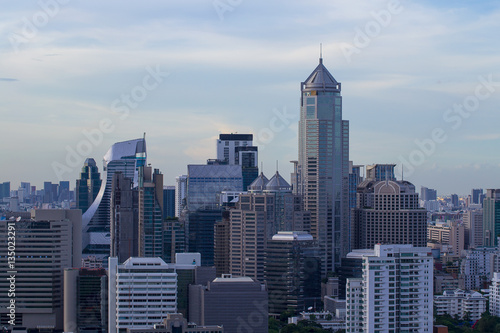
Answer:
[(394, 293)]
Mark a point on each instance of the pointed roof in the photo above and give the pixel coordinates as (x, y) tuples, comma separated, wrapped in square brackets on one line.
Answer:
[(321, 78), (259, 184), (278, 184)]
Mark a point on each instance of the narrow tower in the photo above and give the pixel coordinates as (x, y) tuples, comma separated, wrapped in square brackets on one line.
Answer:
[(323, 166)]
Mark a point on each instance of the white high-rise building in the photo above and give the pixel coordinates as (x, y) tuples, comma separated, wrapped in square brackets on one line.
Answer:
[(395, 292), (476, 268), (180, 193), (495, 295), (142, 291)]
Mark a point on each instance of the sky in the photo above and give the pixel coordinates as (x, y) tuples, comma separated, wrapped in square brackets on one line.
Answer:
[(420, 83)]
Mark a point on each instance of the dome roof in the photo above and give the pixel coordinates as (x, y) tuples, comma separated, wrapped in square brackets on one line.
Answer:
[(278, 184), (259, 184)]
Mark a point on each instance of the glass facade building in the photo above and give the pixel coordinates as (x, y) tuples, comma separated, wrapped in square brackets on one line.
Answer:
[(323, 164)]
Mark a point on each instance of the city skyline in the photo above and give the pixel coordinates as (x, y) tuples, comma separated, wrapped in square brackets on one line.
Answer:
[(211, 67)]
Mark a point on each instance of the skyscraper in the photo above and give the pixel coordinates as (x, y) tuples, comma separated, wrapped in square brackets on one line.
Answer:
[(379, 302), (292, 272), (87, 187), (491, 217), (180, 194), (126, 157), (388, 212), (238, 149), (44, 246), (323, 164)]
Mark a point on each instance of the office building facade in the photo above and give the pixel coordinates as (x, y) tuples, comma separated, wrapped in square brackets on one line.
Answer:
[(323, 164)]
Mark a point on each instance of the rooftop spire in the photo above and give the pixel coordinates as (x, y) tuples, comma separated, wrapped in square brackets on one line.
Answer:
[(320, 53)]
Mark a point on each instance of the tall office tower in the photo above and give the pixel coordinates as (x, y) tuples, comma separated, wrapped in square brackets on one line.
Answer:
[(491, 217), (87, 187), (44, 246), (48, 196), (174, 238), (63, 191), (292, 272), (380, 172), (4, 190), (395, 292), (269, 207), (388, 213), (204, 182), (237, 149), (323, 164), (427, 194), (355, 178), (27, 188), (476, 195), (126, 157), (150, 212), (85, 300), (200, 229), (180, 194), (240, 304), (221, 244), (189, 271), (124, 225), (473, 223), (454, 201), (145, 290), (169, 201)]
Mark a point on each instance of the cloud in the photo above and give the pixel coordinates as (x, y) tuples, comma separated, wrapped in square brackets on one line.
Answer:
[(8, 79)]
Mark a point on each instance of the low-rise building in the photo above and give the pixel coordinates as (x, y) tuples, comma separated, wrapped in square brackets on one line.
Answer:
[(460, 302)]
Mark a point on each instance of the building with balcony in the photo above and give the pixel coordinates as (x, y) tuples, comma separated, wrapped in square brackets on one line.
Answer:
[(394, 293), (461, 303)]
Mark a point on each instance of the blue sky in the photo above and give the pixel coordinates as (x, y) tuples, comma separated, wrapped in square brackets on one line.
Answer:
[(236, 66)]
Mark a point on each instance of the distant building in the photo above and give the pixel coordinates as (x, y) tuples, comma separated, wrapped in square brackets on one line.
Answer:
[(238, 149), (379, 172), (145, 290), (452, 234), (180, 194), (378, 303), (239, 304), (4, 190), (427, 194), (491, 217), (174, 239), (476, 195), (454, 201), (475, 268), (169, 201), (473, 223), (204, 182)]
